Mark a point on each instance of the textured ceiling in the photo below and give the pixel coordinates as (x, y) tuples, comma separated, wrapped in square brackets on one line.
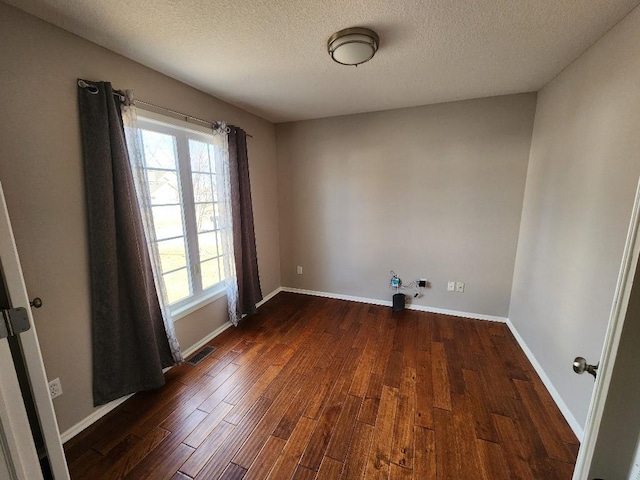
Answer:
[(269, 57)]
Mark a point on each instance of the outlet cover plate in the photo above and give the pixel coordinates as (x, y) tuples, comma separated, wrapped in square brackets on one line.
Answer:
[(451, 286), (55, 388)]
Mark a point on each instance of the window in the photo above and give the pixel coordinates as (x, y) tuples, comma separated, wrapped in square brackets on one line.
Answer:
[(183, 169)]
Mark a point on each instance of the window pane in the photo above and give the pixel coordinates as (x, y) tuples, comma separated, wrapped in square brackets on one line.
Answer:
[(204, 217), (202, 191), (177, 284), (168, 221), (172, 254), (210, 273), (159, 149), (163, 187), (207, 245), (199, 153)]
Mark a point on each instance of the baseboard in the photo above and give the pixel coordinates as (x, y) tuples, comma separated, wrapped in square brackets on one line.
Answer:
[(564, 409), (269, 297), (104, 409), (387, 303), (92, 418), (195, 347)]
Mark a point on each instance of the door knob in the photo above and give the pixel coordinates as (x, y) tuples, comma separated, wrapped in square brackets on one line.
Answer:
[(580, 366), (36, 302)]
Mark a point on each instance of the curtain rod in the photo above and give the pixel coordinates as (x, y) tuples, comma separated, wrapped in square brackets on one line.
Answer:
[(179, 114), (120, 95)]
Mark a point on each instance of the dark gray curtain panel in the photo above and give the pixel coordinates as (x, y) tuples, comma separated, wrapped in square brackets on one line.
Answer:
[(130, 346), (244, 238)]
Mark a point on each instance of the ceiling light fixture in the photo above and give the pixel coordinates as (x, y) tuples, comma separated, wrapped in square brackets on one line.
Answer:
[(353, 46)]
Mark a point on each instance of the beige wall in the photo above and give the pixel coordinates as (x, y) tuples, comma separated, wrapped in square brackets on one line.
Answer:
[(42, 175), (582, 176), (431, 191)]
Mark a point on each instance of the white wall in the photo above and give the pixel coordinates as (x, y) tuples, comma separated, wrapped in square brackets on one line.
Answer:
[(42, 174), (432, 191), (583, 170)]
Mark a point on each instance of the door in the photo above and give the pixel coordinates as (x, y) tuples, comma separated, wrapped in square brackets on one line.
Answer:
[(609, 447), (19, 458)]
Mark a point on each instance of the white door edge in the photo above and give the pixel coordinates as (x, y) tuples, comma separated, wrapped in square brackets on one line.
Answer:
[(16, 441), (20, 449), (611, 342), (31, 348)]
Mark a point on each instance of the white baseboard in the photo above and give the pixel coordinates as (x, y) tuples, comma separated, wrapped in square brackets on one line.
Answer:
[(564, 409), (96, 415), (387, 303), (193, 348), (269, 297), (100, 412)]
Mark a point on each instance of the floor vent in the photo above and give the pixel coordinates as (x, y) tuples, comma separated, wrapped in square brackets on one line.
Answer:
[(201, 355)]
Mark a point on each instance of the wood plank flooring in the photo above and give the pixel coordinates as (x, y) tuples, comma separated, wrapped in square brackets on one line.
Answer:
[(316, 388)]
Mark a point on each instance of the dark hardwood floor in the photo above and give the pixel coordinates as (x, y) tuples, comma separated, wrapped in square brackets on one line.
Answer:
[(315, 388)]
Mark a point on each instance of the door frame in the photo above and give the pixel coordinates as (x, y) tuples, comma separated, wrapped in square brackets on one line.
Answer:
[(15, 433), (624, 285), (30, 347)]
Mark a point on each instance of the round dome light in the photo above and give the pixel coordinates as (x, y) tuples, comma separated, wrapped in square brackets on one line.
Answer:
[(353, 46)]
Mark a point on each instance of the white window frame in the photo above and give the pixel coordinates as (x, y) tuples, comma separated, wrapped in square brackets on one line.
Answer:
[(183, 132)]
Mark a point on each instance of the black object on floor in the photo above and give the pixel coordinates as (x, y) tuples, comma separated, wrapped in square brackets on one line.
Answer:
[(398, 302)]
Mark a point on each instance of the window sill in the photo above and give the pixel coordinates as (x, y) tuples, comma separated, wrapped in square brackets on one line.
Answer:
[(185, 310)]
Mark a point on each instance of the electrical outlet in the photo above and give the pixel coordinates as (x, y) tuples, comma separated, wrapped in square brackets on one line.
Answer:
[(460, 287), (55, 388), (422, 283), (299, 270), (451, 286)]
